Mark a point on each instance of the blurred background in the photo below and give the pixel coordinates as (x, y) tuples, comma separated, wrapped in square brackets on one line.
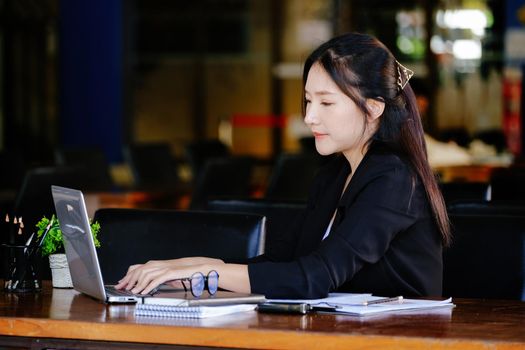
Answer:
[(150, 90)]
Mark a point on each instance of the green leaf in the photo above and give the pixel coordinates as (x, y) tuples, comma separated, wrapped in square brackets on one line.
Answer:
[(53, 242)]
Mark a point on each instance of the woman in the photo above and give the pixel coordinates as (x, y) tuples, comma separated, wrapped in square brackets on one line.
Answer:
[(375, 219)]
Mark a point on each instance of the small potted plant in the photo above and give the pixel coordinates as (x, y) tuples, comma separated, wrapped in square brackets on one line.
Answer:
[(53, 246)]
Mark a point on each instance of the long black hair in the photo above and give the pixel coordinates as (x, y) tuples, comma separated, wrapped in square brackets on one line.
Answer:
[(363, 68)]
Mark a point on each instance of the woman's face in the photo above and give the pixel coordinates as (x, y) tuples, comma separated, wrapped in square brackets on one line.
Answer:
[(335, 120)]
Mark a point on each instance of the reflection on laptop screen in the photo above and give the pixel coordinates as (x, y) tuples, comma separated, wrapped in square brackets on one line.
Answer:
[(80, 246)]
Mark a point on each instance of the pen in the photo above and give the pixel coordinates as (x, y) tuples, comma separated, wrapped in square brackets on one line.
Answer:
[(43, 237), (28, 242), (399, 299), (30, 255)]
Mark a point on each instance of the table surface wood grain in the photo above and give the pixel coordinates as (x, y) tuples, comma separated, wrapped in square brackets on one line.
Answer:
[(66, 314)]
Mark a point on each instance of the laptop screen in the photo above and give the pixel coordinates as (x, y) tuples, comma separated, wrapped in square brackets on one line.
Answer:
[(78, 242)]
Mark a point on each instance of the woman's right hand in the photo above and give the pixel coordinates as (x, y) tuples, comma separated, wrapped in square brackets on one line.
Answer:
[(142, 278)]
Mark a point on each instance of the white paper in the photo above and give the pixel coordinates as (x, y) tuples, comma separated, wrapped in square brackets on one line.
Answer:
[(352, 304), (334, 298), (407, 304)]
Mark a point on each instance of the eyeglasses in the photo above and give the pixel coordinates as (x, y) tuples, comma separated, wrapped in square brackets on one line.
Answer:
[(199, 282)]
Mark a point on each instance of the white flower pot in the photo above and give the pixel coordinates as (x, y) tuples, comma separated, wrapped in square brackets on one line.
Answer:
[(61, 278)]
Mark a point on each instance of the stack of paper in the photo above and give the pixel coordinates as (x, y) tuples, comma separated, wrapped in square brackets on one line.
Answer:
[(363, 304)]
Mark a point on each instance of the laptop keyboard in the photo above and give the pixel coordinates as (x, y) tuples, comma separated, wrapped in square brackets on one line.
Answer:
[(120, 292)]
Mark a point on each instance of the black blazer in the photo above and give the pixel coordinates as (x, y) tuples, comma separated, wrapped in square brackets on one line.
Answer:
[(384, 239)]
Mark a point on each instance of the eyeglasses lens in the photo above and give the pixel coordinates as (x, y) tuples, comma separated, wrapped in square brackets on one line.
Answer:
[(213, 282), (197, 284)]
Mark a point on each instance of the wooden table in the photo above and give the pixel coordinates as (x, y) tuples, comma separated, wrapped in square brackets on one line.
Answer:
[(63, 318)]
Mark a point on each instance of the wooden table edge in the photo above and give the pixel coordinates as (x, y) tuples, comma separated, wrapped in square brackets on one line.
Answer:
[(229, 337)]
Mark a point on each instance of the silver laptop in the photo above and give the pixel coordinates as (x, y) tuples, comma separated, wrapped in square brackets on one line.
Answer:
[(80, 248), (85, 269)]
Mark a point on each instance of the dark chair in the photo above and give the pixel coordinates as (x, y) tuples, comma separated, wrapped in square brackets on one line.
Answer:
[(491, 208), (487, 255), (34, 200), (493, 137), (460, 191), (13, 170), (131, 236), (508, 183), (199, 152), (307, 145), (11, 176), (153, 166), (280, 217), (458, 135), (292, 176), (93, 162), (222, 177)]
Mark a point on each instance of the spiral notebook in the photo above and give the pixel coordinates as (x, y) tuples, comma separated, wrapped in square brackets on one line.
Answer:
[(168, 311)]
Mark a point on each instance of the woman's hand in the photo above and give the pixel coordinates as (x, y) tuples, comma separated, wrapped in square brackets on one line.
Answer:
[(143, 278)]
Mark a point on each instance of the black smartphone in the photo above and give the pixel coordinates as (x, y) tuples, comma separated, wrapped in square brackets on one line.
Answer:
[(284, 308)]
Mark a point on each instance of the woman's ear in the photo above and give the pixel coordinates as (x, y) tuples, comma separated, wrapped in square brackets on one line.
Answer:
[(375, 108)]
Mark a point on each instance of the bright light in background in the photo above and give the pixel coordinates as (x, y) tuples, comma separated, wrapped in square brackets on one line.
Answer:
[(437, 45), (473, 19), (440, 46), (405, 45), (461, 32), (411, 33), (467, 49)]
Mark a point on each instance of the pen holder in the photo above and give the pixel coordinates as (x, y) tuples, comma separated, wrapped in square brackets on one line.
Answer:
[(20, 269)]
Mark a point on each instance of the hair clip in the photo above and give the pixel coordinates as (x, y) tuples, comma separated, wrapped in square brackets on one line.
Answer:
[(407, 74)]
